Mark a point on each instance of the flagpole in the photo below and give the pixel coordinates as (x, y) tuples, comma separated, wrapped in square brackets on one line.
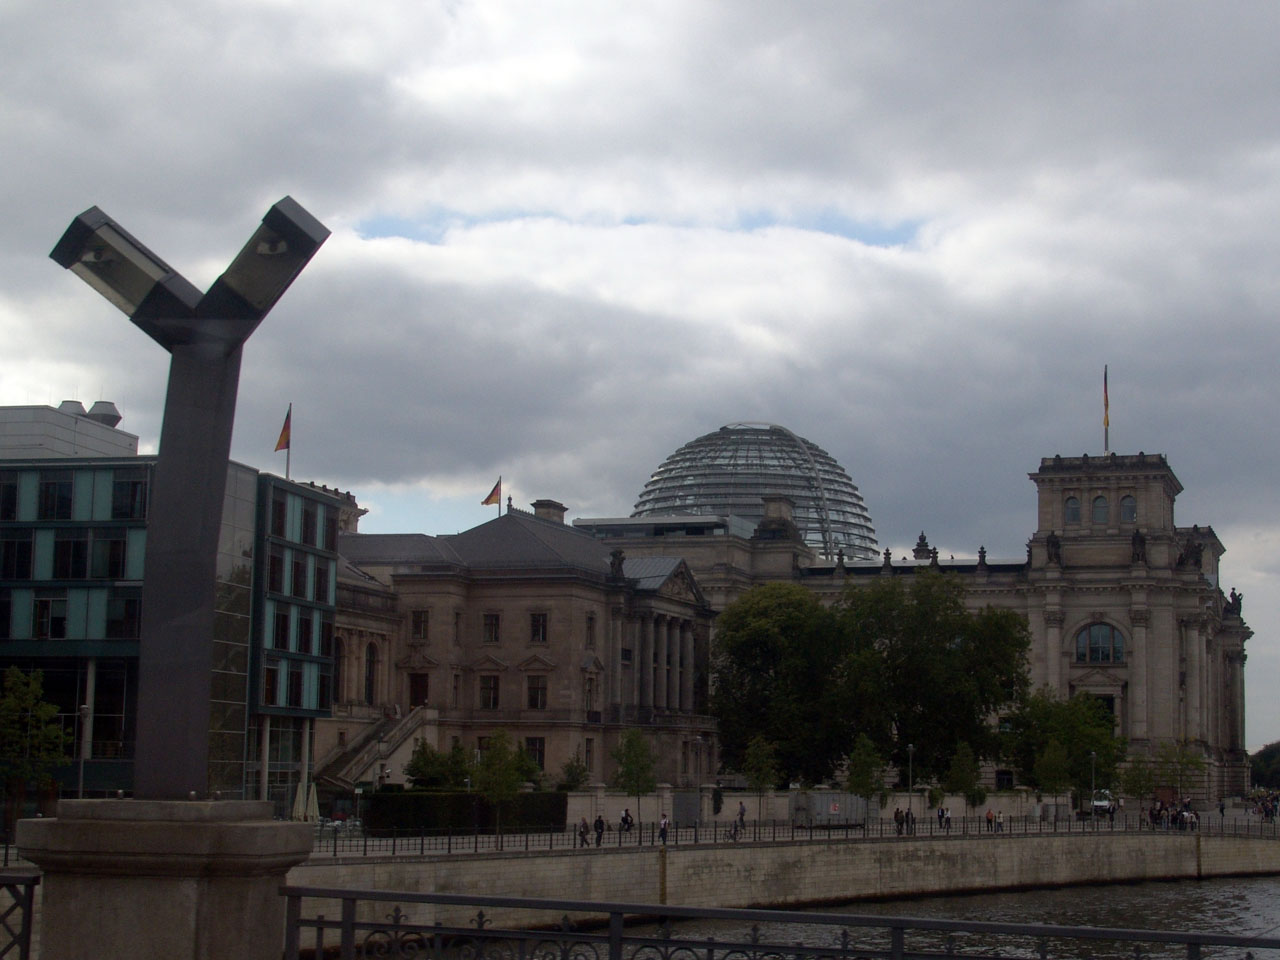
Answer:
[(288, 451), (1106, 414)]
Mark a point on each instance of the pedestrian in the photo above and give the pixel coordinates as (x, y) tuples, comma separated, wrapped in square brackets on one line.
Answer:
[(947, 820), (898, 820), (624, 824), (662, 829), (584, 829), (1000, 822), (991, 820), (941, 816), (599, 825), (742, 815)]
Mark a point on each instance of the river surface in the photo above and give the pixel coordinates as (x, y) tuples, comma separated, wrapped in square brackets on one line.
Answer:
[(1239, 907)]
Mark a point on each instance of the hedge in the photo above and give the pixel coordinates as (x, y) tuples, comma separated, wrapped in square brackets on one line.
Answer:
[(415, 810)]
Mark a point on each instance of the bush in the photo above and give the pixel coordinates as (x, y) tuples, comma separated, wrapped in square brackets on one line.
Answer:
[(418, 810)]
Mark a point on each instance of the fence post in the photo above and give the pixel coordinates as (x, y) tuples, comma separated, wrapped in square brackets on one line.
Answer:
[(615, 936)]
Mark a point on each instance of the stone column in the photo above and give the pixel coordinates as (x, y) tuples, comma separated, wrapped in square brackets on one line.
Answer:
[(1195, 667), (1140, 617), (615, 657), (686, 668), (673, 663), (1053, 618), (660, 672), (163, 879), (645, 665)]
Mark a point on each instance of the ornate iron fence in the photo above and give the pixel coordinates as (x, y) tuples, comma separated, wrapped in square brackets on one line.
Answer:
[(457, 927)]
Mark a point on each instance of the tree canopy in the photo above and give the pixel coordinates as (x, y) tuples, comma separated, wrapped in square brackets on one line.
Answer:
[(1081, 727), (430, 769), (899, 660), (635, 765), (1265, 766), (32, 741)]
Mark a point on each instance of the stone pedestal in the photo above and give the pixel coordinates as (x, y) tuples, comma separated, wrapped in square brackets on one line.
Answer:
[(144, 879)]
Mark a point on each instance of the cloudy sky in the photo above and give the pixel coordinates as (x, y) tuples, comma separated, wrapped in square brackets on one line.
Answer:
[(569, 237)]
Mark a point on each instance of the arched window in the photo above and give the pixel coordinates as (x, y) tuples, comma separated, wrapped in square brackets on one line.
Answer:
[(1100, 510), (339, 652), (370, 673), (1128, 509), (1099, 643), (1071, 510)]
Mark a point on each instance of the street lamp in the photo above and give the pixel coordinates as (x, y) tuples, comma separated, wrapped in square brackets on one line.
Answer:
[(205, 336), (84, 747)]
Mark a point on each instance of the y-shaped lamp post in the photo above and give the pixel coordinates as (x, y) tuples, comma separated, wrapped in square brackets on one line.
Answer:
[(205, 336)]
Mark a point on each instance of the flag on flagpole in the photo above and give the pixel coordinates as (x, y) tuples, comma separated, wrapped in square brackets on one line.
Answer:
[(1106, 403), (495, 495), (283, 442)]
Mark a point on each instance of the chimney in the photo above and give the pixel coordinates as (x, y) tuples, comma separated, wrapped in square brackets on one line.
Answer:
[(73, 407), (549, 510), (104, 412)]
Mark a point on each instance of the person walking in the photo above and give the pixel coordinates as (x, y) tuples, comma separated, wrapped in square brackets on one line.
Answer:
[(662, 829), (583, 830), (599, 825)]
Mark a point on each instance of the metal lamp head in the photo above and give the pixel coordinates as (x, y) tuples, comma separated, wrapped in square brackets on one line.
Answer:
[(118, 266)]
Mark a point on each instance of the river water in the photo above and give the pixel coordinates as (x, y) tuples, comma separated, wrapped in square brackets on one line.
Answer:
[(1239, 907)]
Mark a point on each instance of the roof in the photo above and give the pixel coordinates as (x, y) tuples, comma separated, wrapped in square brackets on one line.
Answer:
[(373, 549), (650, 573), (520, 538)]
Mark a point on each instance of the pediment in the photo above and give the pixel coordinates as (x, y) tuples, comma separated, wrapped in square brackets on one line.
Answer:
[(536, 662), (1095, 680), (488, 662), (592, 664), (417, 660), (681, 586)]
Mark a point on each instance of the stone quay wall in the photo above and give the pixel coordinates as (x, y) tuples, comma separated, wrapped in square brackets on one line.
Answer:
[(799, 873)]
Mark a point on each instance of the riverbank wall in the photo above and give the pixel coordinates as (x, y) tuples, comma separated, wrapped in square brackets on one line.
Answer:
[(806, 872)]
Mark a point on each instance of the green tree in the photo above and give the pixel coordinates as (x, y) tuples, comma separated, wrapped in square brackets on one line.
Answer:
[(430, 769), (1052, 772), (1082, 725), (774, 668), (760, 768), (964, 777), (502, 770), (1138, 779), (1265, 767), (920, 668), (32, 741), (634, 773), (1178, 764), (574, 773), (864, 772)]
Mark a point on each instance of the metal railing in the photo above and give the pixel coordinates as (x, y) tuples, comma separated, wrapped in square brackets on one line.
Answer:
[(17, 899), (468, 928), (340, 840)]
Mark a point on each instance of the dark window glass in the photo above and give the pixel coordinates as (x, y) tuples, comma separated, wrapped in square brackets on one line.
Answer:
[(320, 591), (8, 496), (419, 689), (50, 617), (124, 618), (1071, 510), (326, 636), (489, 691), (6, 614), (339, 651), (626, 654), (279, 513), (537, 628), (537, 693), (299, 574), (305, 638), (295, 685), (330, 529), (71, 555), (129, 494), (370, 673), (55, 496), (275, 570), (1100, 643), (1100, 511), (270, 684), (591, 631), (536, 748), (1004, 779), (280, 636), (492, 623), (15, 555), (322, 692), (309, 523), (1128, 510), (419, 621), (108, 554)]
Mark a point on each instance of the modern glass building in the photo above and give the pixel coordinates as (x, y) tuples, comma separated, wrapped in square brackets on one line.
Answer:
[(730, 471)]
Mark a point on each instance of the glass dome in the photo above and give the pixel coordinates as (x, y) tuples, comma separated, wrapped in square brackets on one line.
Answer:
[(728, 471)]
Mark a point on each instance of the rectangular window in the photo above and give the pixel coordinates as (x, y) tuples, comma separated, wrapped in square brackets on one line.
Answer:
[(322, 691), (15, 555), (279, 513), (299, 583), (275, 570), (536, 748), (295, 685), (330, 529), (305, 637), (108, 554), (489, 691), (492, 623), (537, 628), (625, 654), (457, 627), (280, 635), (129, 494), (589, 754), (50, 617), (309, 523), (124, 618), (71, 555), (8, 495), (457, 686), (589, 693), (419, 620), (591, 631), (55, 495), (270, 683), (326, 635), (1004, 779), (6, 614), (537, 692), (320, 587)]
